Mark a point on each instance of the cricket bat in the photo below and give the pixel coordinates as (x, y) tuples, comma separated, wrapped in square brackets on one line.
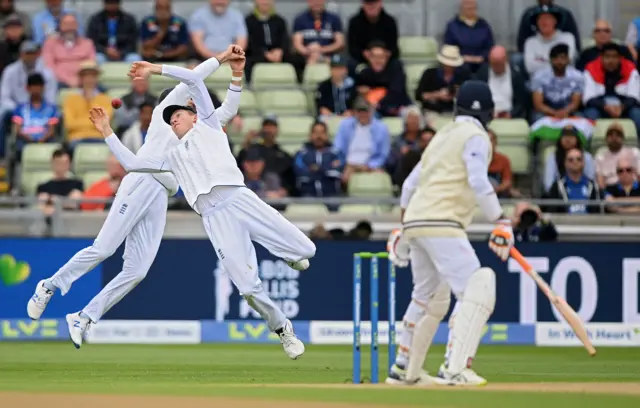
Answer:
[(559, 303)]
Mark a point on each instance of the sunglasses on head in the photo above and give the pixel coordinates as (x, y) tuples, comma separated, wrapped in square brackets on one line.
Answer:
[(621, 170)]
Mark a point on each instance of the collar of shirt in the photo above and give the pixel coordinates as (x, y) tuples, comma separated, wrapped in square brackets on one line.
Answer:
[(504, 75), (464, 118), (634, 186)]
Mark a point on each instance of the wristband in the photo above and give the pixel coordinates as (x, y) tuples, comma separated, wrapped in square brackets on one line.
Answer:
[(236, 78)]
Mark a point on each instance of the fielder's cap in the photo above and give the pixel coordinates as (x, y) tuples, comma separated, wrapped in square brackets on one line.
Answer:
[(13, 20), (361, 104), (171, 109), (29, 47), (338, 60), (270, 119), (253, 153)]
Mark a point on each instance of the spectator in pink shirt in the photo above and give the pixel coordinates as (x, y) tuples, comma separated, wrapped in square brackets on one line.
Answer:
[(64, 51), (607, 157)]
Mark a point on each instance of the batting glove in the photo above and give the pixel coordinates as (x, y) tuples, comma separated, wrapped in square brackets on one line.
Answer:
[(501, 239), (398, 249)]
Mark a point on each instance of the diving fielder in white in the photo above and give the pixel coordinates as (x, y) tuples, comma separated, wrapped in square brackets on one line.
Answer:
[(138, 214), (442, 192), (214, 186)]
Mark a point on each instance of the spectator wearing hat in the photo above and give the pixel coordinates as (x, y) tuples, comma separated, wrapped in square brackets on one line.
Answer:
[(555, 169), (317, 33), (508, 86), (13, 36), (471, 33), (557, 89), (538, 47), (607, 156), (75, 119), (371, 23), (335, 95), (363, 140), (626, 190), (602, 34), (266, 184), (8, 11), (383, 81), (65, 51), (612, 87), (45, 23), (565, 22), (114, 33), (164, 35), (438, 86)]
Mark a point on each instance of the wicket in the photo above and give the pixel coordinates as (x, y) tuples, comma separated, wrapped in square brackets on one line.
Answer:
[(374, 258)]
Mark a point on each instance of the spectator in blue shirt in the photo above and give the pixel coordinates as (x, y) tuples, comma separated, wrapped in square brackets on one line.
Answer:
[(164, 35), (317, 33), (114, 34), (472, 34), (215, 27), (37, 119), (46, 22), (335, 95), (318, 165)]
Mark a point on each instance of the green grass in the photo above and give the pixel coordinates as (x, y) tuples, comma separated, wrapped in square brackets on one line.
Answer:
[(206, 369)]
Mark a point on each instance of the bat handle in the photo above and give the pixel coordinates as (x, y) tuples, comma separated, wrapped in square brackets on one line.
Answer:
[(515, 254)]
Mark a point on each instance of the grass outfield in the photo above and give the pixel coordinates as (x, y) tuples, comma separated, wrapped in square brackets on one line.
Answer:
[(261, 375)]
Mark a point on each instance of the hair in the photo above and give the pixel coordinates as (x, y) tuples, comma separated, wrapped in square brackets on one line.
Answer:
[(35, 79), (164, 94), (558, 50), (610, 46), (413, 109), (377, 44), (429, 129), (319, 123), (59, 153), (146, 104), (561, 154)]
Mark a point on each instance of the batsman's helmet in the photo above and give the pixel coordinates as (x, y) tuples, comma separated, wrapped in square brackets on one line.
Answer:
[(474, 99)]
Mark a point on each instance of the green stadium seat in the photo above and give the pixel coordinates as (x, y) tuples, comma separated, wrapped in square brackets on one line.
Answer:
[(37, 157), (115, 74), (600, 131), (511, 130), (62, 94), (30, 180), (418, 48), (306, 210), (414, 74), (363, 209), (273, 75), (314, 74), (395, 125), (370, 185), (294, 129), (519, 156), (219, 79), (90, 157), (439, 122), (282, 102), (248, 123), (291, 148), (118, 92), (91, 177), (248, 103), (333, 123)]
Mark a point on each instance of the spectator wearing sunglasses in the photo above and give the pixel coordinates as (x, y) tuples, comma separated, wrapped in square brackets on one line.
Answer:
[(574, 186), (626, 190), (607, 156), (602, 34)]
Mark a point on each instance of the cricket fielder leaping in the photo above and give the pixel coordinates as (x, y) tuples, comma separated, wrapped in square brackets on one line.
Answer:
[(138, 215), (214, 186), (442, 192)]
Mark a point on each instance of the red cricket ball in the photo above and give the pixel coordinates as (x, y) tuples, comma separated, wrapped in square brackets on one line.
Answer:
[(116, 103)]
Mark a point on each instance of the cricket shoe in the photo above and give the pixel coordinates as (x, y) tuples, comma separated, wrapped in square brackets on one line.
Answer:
[(78, 328), (292, 346), (467, 378), (397, 376), (39, 301), (299, 265)]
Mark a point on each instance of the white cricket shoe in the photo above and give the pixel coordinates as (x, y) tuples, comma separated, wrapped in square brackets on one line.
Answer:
[(299, 265), (397, 376), (78, 328), (39, 301), (292, 346), (467, 378)]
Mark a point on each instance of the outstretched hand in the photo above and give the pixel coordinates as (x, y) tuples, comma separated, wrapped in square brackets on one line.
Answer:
[(141, 70), (101, 121), (238, 63), (233, 52)]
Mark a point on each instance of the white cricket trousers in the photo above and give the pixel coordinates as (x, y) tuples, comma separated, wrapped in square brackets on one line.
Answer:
[(138, 214), (235, 221)]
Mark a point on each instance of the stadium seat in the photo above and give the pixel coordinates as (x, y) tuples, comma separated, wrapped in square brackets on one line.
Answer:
[(314, 74), (248, 103), (37, 157), (219, 79), (395, 125), (30, 180), (283, 102), (600, 131), (364, 209), (414, 74), (248, 123), (114, 74), (370, 185), (90, 157), (333, 123), (118, 92), (511, 131), (273, 75), (158, 83), (91, 177), (306, 210), (439, 122), (418, 48), (291, 148), (294, 129), (519, 157), (62, 94)]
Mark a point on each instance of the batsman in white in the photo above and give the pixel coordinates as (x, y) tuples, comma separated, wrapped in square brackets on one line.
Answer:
[(138, 215), (442, 192), (214, 186)]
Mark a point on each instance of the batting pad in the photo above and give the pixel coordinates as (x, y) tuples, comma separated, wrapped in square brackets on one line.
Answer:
[(425, 329), (476, 306)]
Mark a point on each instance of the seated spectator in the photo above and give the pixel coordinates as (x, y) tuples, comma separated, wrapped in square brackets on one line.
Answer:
[(214, 27), (13, 36), (105, 188), (74, 107), (612, 87), (500, 174), (319, 165), (554, 165), (363, 140), (383, 82), (408, 140), (128, 112), (65, 51), (607, 157), (528, 28), (372, 23), (61, 185), (602, 34), (626, 190), (317, 33), (36, 121), (633, 39), (164, 35), (531, 225), (264, 183), (439, 86), (276, 160), (135, 136), (114, 34), (537, 48), (413, 156), (557, 89), (471, 34), (574, 185), (335, 96), (361, 232), (8, 11), (508, 87), (45, 22)]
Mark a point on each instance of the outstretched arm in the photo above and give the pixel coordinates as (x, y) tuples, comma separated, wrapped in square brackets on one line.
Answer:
[(229, 108)]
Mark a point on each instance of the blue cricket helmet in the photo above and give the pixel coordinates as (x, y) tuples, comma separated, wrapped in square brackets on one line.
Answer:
[(474, 99)]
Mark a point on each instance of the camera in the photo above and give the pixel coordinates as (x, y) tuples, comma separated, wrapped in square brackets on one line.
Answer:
[(528, 218)]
